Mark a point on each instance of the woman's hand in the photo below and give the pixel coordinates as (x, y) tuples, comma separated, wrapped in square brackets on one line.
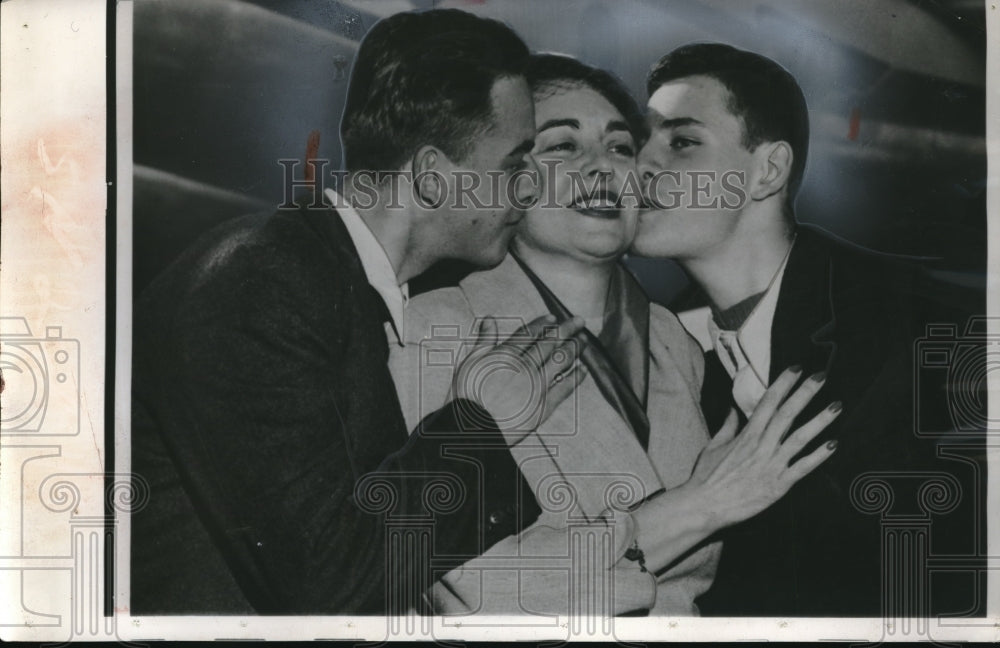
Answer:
[(738, 476)]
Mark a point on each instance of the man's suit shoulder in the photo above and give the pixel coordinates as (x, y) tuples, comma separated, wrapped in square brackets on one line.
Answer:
[(883, 281), (293, 251), (278, 274), (851, 261)]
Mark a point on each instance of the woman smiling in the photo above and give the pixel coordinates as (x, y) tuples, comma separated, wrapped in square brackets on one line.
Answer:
[(613, 468)]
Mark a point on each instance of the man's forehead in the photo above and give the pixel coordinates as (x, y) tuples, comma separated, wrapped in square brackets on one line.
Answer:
[(513, 124), (512, 102), (695, 97)]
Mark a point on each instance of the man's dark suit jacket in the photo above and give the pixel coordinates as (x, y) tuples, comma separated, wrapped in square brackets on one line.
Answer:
[(261, 396), (857, 315)]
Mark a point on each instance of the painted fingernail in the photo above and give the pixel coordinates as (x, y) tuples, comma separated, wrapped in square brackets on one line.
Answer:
[(835, 406), (831, 444), (795, 368), (819, 376)]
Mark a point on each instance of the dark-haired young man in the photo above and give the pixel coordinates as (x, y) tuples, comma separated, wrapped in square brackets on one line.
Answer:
[(261, 394), (725, 159)]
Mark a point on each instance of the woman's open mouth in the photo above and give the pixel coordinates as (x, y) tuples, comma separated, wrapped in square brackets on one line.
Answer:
[(603, 204)]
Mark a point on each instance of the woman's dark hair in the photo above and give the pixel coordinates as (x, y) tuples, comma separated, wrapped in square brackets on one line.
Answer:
[(550, 72), (425, 78)]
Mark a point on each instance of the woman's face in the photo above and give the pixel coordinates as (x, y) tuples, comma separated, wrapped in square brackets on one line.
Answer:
[(585, 153)]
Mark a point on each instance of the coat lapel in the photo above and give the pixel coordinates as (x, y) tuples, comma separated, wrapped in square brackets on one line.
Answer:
[(616, 383), (804, 320), (678, 432), (588, 446), (329, 225), (626, 331)]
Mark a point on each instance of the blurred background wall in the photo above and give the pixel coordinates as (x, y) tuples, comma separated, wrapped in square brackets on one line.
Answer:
[(896, 90)]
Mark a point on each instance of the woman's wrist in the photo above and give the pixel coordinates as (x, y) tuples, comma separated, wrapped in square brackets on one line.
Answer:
[(672, 523)]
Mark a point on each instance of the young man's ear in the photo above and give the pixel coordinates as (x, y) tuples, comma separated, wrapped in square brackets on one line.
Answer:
[(430, 182), (775, 159)]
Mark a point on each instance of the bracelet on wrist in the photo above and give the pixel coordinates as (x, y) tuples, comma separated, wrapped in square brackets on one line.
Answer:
[(636, 555)]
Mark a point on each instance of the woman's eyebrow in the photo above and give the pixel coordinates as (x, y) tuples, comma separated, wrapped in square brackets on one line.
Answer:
[(617, 125), (555, 123)]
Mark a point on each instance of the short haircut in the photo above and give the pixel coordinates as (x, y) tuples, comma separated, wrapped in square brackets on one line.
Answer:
[(764, 95), (425, 78), (552, 72)]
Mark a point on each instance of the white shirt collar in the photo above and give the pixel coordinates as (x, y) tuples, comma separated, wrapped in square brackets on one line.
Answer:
[(378, 269), (749, 359)]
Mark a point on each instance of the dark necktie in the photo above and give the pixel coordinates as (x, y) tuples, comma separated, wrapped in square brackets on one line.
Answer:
[(602, 369), (717, 395)]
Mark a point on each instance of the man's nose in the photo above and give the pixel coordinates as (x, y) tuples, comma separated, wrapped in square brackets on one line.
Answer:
[(527, 183), (647, 164)]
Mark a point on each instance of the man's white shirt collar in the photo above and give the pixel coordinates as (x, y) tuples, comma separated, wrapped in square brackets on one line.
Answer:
[(378, 269), (746, 353)]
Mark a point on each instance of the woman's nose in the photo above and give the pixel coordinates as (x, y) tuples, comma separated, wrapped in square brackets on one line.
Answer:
[(598, 163)]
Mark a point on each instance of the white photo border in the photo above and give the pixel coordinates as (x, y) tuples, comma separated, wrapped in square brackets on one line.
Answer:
[(53, 574)]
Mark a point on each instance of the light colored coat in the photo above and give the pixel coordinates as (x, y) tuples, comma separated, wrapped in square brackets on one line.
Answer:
[(583, 462)]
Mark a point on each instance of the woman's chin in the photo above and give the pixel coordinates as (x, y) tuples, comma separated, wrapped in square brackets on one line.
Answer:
[(608, 244), (600, 252)]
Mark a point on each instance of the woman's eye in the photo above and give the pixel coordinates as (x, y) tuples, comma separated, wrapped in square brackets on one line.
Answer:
[(624, 149), (682, 142)]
